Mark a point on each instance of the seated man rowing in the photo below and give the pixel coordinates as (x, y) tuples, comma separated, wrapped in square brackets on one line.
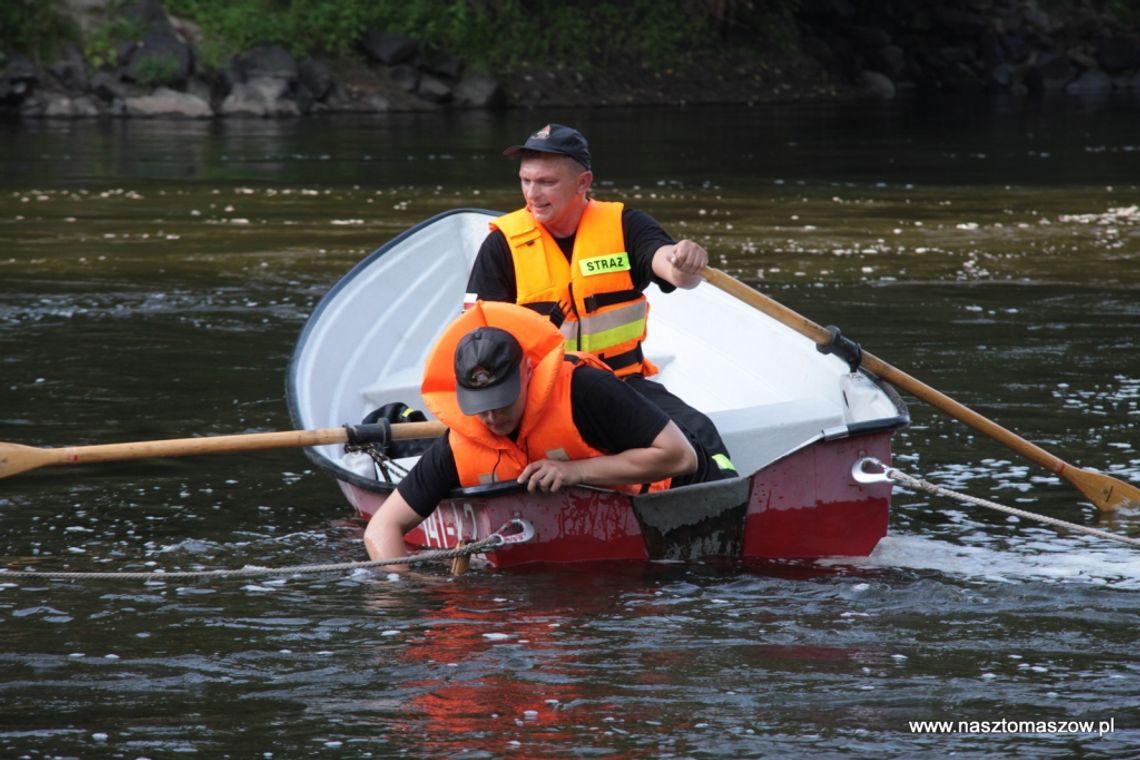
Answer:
[(586, 263), (519, 408)]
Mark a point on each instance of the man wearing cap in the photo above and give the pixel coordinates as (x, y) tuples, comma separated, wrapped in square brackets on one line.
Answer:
[(518, 407), (585, 263)]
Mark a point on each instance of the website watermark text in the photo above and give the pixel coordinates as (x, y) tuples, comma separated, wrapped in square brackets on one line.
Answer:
[(1003, 726)]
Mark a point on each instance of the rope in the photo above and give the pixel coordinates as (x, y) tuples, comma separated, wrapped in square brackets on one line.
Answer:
[(912, 482), (477, 547), (385, 465)]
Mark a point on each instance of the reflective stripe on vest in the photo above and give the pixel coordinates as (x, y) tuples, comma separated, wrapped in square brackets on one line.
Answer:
[(597, 332)]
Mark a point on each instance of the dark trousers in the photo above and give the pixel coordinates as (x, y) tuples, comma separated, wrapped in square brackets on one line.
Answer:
[(696, 425)]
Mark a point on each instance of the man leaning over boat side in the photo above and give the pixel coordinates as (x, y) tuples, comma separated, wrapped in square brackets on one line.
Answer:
[(585, 263), (519, 407)]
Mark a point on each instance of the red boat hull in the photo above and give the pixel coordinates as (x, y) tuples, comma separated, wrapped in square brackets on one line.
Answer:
[(806, 505)]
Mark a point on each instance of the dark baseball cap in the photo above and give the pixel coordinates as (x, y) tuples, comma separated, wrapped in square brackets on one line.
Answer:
[(487, 363), (556, 138)]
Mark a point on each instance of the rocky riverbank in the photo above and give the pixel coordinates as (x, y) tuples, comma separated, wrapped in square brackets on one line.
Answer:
[(845, 48)]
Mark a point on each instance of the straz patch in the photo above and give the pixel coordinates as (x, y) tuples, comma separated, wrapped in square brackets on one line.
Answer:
[(610, 262)]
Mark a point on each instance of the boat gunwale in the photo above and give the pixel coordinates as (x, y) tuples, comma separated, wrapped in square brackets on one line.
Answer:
[(872, 427)]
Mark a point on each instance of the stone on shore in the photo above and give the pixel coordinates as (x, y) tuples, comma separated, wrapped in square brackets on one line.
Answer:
[(266, 62), (1091, 82), (480, 91), (161, 58), (875, 85), (165, 102), (262, 97)]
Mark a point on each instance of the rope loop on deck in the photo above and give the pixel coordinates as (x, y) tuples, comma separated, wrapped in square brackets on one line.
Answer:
[(861, 474), (514, 532)]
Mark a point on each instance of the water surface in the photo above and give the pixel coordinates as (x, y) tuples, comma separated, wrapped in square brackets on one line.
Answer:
[(155, 275)]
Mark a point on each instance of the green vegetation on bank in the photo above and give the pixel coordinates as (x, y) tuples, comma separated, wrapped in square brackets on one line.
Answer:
[(491, 35), (36, 27), (495, 36)]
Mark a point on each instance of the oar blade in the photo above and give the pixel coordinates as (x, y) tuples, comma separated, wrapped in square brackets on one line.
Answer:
[(15, 459), (1105, 492)]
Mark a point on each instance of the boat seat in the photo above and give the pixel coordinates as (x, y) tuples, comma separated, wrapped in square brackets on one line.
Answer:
[(399, 386), (758, 435)]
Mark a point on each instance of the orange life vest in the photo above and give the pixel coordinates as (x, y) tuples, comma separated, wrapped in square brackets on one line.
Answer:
[(547, 429), (604, 312)]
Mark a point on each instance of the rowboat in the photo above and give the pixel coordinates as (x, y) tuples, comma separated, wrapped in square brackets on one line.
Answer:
[(797, 421)]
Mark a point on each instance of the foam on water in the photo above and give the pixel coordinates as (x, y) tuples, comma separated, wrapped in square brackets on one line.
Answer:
[(1062, 560)]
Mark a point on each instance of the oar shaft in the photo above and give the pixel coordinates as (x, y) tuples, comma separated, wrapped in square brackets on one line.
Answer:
[(896, 377), (963, 413), (172, 447), (223, 444)]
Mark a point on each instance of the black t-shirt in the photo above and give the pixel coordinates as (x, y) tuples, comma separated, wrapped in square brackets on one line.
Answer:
[(609, 415), (493, 274)]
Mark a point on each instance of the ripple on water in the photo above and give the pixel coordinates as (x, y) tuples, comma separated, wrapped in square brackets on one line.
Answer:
[(957, 614)]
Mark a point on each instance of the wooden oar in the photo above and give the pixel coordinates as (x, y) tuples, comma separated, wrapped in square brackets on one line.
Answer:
[(15, 458), (1105, 492)]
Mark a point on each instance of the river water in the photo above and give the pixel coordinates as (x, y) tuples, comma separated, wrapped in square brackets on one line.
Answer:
[(155, 275)]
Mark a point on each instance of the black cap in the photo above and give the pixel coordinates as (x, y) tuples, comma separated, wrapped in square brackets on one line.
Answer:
[(556, 138), (487, 363)]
